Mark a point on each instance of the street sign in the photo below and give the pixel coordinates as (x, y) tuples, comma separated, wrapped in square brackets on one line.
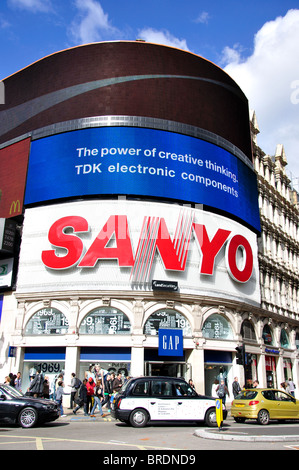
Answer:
[(219, 412)]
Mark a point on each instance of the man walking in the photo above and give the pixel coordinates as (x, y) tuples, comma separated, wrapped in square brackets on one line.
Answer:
[(117, 383), (292, 387), (236, 387), (37, 385)]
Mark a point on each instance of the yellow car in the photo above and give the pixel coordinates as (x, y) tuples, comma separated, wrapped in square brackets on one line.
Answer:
[(264, 404)]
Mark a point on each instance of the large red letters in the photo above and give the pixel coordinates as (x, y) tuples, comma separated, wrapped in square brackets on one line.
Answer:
[(63, 234), (71, 243)]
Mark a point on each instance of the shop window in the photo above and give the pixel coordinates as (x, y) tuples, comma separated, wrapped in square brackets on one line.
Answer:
[(47, 321), (287, 368), (297, 340), (105, 321), (284, 340), (267, 335), (247, 331), (217, 327), (167, 318)]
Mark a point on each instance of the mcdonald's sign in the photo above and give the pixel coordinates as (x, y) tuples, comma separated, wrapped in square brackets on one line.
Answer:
[(15, 208), (12, 183)]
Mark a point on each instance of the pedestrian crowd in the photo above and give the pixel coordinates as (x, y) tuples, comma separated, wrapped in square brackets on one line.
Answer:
[(220, 390), (96, 390)]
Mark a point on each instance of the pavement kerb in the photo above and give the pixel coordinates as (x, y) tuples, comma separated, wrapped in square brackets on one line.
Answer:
[(221, 435)]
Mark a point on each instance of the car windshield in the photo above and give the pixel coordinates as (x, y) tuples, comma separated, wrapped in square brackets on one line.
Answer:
[(11, 391), (246, 395)]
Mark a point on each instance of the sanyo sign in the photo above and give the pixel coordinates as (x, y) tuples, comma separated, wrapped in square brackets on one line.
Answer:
[(68, 249)]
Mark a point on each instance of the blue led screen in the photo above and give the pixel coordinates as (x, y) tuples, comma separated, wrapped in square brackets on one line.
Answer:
[(141, 162)]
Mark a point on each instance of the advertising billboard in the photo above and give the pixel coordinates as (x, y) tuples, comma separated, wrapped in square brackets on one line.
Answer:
[(14, 161), (6, 270), (124, 245), (141, 162)]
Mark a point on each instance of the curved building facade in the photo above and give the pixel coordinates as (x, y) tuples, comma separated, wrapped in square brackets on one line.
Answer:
[(138, 201)]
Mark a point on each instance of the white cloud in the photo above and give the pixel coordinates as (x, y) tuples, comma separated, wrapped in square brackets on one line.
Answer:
[(162, 37), (203, 17), (92, 24), (3, 23), (32, 5), (270, 80)]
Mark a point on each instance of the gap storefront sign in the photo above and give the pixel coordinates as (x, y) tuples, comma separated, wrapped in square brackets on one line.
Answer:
[(170, 342), (124, 245), (141, 162)]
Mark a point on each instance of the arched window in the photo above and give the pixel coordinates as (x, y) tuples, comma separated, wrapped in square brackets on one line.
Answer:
[(284, 339), (105, 321), (247, 331), (217, 327), (47, 321), (267, 335), (167, 318)]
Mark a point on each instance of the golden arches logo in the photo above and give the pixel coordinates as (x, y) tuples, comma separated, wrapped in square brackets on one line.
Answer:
[(15, 207)]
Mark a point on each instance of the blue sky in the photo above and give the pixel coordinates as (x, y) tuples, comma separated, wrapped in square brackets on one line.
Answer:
[(256, 42)]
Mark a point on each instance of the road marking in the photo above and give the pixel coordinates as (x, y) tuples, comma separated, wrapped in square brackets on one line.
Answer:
[(39, 444), (39, 441), (15, 442)]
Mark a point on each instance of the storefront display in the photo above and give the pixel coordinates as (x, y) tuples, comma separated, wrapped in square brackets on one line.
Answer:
[(271, 372), (167, 318), (50, 361), (217, 327), (47, 321), (105, 321), (287, 369), (218, 366), (109, 359)]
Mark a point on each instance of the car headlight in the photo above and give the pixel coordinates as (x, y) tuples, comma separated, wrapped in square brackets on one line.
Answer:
[(48, 407)]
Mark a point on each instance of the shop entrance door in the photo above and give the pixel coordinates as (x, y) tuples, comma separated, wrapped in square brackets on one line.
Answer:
[(168, 369), (271, 372)]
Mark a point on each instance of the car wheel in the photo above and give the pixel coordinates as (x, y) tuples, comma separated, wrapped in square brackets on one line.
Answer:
[(263, 417), (28, 417), (210, 418), (139, 418)]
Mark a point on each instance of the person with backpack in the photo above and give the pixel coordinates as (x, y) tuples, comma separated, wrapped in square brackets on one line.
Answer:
[(75, 385), (222, 391)]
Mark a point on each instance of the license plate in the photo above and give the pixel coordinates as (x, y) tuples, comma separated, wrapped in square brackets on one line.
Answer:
[(239, 405)]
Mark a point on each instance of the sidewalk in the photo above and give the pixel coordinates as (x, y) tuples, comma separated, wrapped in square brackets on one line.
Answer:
[(265, 435), (79, 416)]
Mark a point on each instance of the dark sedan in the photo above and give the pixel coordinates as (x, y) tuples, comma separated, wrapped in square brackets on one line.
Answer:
[(16, 408)]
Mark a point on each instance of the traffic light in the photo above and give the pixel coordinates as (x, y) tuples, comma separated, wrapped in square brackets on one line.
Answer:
[(249, 359), (240, 355)]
